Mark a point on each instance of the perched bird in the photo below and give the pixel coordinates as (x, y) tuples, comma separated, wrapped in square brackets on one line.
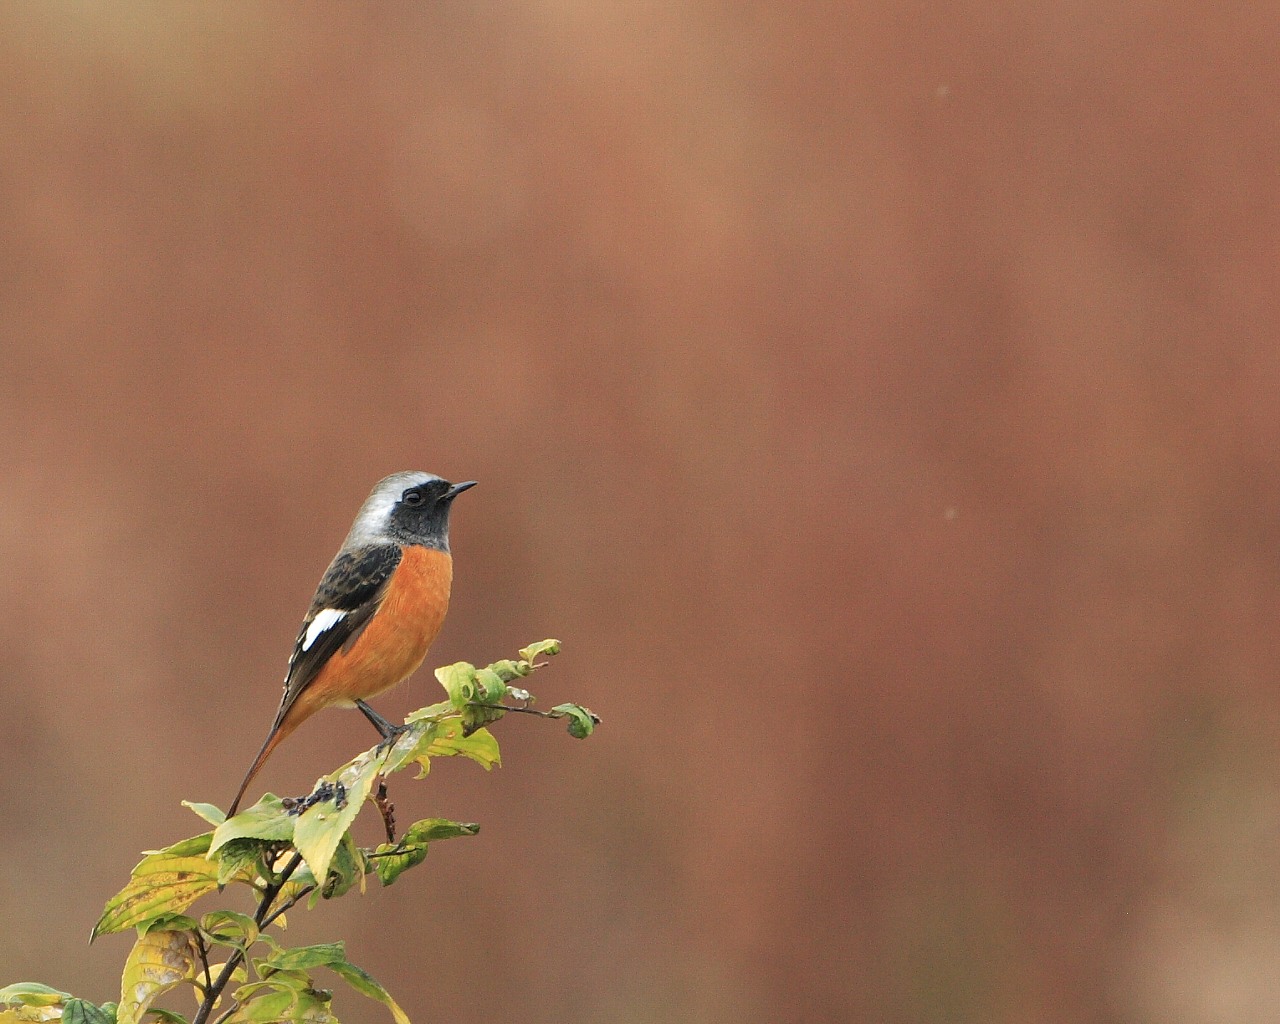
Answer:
[(379, 606)]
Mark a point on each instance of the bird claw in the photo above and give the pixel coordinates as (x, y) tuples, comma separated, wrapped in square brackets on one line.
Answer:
[(393, 733)]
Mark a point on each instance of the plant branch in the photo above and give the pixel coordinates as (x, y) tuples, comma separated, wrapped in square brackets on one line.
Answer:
[(512, 707), (262, 918), (288, 905), (203, 950), (526, 710)]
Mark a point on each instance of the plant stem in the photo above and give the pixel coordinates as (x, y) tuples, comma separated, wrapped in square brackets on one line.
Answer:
[(203, 950), (525, 710), (262, 918)]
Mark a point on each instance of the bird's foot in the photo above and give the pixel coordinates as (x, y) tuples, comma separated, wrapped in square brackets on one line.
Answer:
[(389, 732), (390, 735)]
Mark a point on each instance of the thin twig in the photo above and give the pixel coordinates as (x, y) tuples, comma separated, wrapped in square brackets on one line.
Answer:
[(292, 902), (262, 918), (203, 950), (529, 711)]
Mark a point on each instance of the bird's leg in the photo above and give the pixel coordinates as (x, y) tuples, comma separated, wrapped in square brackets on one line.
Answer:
[(389, 733), (386, 730)]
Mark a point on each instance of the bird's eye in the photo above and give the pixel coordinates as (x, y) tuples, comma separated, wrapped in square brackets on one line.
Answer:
[(413, 498)]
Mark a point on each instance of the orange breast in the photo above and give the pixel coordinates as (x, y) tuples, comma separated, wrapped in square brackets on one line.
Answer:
[(394, 642)]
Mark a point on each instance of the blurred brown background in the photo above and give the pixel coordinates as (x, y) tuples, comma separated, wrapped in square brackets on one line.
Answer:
[(879, 401)]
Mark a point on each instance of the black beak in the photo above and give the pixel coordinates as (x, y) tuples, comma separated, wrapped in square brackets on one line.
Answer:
[(457, 489)]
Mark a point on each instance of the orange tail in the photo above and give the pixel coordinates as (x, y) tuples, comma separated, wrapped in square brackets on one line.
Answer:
[(279, 731)]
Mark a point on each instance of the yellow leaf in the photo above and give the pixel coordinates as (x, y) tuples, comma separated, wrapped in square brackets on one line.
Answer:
[(30, 1014), (320, 828), (480, 746), (164, 882), (159, 961)]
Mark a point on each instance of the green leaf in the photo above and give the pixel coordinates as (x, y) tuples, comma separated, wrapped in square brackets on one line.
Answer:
[(347, 868), (534, 651), (393, 860), (273, 1002), (459, 682), (490, 687), (77, 1011), (192, 847), (333, 955), (433, 713), (267, 819), (168, 923), (28, 1001), (444, 736), (581, 721), (31, 993), (412, 744), (450, 740), (28, 1014), (303, 958), (164, 882), (166, 1016), (508, 670), (238, 860), (430, 830), (477, 716), (291, 892), (229, 928), (364, 983), (213, 815), (320, 828), (295, 980), (159, 961)]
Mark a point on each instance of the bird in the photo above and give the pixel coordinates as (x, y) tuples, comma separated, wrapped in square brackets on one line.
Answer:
[(376, 611)]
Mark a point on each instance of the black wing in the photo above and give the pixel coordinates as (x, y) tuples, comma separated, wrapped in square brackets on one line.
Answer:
[(348, 595)]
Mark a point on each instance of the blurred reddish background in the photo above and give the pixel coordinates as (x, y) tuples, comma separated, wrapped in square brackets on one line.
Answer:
[(880, 403)]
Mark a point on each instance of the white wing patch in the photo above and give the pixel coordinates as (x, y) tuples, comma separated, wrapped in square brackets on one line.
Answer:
[(325, 619)]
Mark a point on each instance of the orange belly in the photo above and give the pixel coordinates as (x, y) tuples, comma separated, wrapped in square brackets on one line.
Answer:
[(394, 642)]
